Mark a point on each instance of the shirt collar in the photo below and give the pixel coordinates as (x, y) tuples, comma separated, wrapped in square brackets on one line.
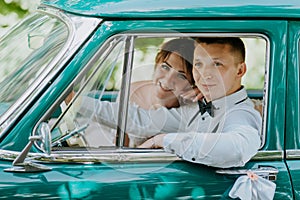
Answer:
[(222, 104), (229, 101)]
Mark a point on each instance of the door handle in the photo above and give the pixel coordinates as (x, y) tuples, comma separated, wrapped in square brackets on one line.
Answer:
[(267, 172)]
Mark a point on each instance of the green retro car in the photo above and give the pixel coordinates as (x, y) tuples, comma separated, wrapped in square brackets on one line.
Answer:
[(97, 49)]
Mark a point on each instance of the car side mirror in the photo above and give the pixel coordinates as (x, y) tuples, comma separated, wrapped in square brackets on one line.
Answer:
[(44, 142), (43, 137)]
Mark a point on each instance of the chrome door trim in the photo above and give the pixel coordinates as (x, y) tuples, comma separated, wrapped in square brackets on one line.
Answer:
[(97, 156), (293, 154), (268, 155), (116, 154)]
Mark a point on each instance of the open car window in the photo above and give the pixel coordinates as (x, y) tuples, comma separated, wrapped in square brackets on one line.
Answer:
[(146, 75), (103, 82)]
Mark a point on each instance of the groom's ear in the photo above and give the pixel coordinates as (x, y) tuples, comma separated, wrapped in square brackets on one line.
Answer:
[(241, 70)]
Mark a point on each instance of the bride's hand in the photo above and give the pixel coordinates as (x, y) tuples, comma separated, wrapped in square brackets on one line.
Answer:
[(193, 95)]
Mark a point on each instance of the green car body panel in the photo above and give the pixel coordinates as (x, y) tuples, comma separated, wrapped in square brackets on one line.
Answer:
[(179, 9)]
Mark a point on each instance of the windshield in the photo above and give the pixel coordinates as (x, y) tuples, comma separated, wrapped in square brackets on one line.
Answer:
[(24, 54)]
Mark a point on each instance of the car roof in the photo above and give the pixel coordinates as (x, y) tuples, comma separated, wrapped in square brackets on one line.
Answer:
[(179, 8)]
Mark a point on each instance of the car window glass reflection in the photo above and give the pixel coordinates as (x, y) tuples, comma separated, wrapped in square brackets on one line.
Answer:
[(101, 82)]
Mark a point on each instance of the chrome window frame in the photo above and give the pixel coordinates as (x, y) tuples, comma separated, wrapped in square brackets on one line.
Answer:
[(233, 34)]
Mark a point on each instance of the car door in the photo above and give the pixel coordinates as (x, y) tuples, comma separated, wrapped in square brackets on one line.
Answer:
[(292, 106), (108, 168)]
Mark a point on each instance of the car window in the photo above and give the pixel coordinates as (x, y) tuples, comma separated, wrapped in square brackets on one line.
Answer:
[(144, 72), (102, 82)]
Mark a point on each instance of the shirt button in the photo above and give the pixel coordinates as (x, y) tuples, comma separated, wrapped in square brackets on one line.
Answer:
[(203, 118), (193, 159)]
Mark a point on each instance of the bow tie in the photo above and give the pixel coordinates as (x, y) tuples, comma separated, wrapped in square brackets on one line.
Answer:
[(203, 107), (206, 107)]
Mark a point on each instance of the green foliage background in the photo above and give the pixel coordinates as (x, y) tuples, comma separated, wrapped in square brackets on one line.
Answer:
[(12, 7), (12, 11)]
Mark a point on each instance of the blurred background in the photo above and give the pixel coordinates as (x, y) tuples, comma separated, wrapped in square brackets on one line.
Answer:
[(12, 11)]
